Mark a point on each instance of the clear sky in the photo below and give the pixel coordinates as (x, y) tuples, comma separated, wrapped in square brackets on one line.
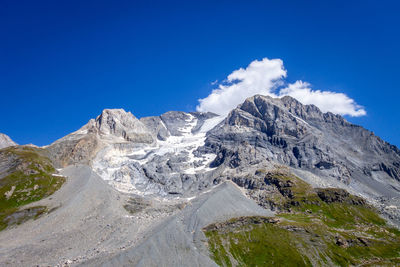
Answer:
[(62, 62)]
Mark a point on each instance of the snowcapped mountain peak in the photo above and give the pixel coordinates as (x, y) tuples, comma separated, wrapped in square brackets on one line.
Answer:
[(172, 162), (180, 153)]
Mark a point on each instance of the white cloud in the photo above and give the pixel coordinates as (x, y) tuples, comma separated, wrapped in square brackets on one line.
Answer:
[(260, 77), (337, 103), (265, 77)]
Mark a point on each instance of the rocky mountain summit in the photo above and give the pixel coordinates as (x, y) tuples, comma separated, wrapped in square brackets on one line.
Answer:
[(166, 190), (5, 141), (306, 139), (181, 153), (111, 125), (153, 155)]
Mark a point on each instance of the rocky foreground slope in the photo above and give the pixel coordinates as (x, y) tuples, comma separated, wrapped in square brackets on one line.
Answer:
[(169, 190)]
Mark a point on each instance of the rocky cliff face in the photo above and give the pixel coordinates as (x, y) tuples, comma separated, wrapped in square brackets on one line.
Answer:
[(181, 153), (302, 137), (171, 165), (5, 141), (119, 123), (111, 126)]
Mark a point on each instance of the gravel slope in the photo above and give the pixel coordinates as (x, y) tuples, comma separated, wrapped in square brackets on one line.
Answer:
[(90, 226), (89, 220), (179, 241)]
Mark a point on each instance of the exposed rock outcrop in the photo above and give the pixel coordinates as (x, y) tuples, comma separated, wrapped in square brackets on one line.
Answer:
[(5, 141), (111, 126), (302, 137), (119, 123), (332, 195)]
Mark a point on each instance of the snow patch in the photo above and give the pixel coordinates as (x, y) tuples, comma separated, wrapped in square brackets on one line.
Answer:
[(117, 165)]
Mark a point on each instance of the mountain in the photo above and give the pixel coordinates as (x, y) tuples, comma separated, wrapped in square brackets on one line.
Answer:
[(319, 147), (111, 126), (5, 141), (153, 155), (272, 182), (180, 153)]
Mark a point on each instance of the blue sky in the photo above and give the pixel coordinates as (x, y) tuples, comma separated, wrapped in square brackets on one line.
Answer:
[(62, 62)]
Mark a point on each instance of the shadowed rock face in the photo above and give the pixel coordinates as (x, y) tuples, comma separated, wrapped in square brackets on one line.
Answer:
[(331, 195), (301, 136)]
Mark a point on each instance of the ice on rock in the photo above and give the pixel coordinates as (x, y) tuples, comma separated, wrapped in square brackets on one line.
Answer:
[(165, 166)]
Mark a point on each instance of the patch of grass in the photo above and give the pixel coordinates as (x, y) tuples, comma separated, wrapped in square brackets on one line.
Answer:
[(30, 180), (318, 229), (298, 243), (291, 193), (255, 245), (346, 216), (217, 249), (342, 211)]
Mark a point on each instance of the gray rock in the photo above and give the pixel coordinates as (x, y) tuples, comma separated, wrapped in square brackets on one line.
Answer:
[(156, 125), (118, 122), (175, 121), (302, 137), (112, 125), (5, 141), (179, 241), (172, 122)]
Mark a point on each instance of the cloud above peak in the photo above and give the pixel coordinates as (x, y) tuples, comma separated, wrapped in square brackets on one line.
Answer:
[(337, 103), (260, 77), (266, 77)]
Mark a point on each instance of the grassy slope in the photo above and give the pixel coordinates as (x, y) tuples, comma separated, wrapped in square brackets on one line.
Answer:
[(31, 180), (309, 232)]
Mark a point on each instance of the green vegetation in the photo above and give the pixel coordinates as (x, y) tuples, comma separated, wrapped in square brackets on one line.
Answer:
[(315, 227), (29, 179), (245, 245)]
